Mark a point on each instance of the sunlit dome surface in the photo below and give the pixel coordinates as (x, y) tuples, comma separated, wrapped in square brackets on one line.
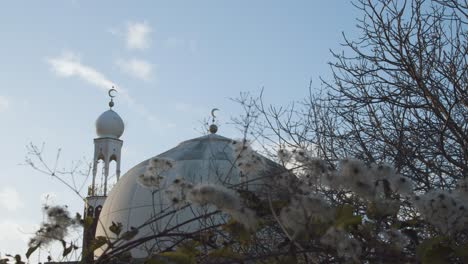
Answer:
[(207, 159), (109, 124)]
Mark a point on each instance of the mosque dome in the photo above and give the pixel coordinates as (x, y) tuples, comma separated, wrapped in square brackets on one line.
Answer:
[(109, 124), (206, 159)]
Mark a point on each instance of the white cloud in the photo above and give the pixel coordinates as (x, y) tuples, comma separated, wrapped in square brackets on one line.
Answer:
[(138, 35), (137, 68), (68, 65), (4, 103), (10, 199)]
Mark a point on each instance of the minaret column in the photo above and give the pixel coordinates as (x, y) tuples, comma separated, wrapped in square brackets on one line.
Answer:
[(106, 174), (117, 173)]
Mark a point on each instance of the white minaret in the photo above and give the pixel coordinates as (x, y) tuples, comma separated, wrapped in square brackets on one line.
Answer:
[(107, 146)]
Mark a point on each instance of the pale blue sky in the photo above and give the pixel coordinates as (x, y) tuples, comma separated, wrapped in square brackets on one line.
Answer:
[(181, 59)]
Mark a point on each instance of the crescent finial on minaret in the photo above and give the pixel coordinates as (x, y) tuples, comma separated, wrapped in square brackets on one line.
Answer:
[(111, 103)]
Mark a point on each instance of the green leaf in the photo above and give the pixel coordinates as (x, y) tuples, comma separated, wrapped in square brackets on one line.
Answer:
[(185, 253), (345, 210), (189, 248), (427, 245), (32, 249), (155, 260), (178, 257), (225, 252), (318, 228), (98, 242), (88, 222), (434, 251), (462, 253), (129, 235), (438, 255), (116, 228), (345, 217)]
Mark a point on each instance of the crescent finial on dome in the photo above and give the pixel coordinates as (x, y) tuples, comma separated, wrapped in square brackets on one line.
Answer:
[(213, 127)]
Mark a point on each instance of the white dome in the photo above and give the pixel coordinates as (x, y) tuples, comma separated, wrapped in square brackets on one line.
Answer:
[(109, 124), (207, 159)]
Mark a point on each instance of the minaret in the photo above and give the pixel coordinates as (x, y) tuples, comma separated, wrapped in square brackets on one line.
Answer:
[(107, 148)]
